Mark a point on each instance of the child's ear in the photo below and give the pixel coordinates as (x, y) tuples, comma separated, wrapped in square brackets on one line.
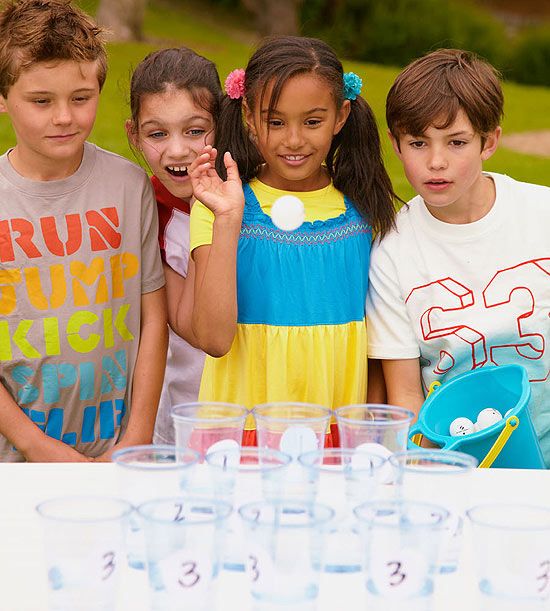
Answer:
[(342, 116), (249, 119), (491, 143), (395, 143), (3, 107), (131, 133)]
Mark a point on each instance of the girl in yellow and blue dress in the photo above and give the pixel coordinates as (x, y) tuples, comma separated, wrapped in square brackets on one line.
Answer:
[(282, 312)]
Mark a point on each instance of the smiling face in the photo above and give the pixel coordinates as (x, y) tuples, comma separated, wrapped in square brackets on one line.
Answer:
[(295, 140), (52, 107), (172, 131), (444, 166)]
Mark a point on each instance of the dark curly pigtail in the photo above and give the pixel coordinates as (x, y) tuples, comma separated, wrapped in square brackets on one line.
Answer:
[(355, 163), (232, 135)]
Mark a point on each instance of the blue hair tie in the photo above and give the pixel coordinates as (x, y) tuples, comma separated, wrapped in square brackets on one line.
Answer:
[(352, 85)]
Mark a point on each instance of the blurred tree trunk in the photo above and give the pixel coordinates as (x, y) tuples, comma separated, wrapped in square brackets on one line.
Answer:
[(122, 18), (274, 17)]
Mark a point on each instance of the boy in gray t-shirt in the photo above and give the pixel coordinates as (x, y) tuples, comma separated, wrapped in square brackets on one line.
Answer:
[(83, 331)]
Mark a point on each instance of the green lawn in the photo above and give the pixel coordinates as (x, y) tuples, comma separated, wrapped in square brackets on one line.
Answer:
[(185, 23)]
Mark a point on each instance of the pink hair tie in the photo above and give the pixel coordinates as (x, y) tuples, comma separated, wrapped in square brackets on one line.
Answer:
[(234, 84)]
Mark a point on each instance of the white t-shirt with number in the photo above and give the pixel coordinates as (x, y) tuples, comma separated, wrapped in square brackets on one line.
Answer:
[(463, 296)]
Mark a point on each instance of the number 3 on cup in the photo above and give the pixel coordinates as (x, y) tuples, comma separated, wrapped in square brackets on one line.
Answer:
[(400, 574), (259, 566), (543, 578), (186, 572)]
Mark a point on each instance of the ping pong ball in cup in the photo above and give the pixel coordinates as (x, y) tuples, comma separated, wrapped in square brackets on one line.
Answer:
[(461, 426), (361, 456), (287, 212)]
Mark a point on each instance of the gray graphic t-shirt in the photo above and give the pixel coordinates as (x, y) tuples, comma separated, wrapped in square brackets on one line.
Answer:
[(75, 257)]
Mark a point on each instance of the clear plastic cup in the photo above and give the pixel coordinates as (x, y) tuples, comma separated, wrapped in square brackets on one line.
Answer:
[(434, 477), (512, 554), (84, 543), (147, 472), (401, 542), (242, 476), (184, 543), (209, 426), (292, 428), (382, 429), (284, 543), (344, 479)]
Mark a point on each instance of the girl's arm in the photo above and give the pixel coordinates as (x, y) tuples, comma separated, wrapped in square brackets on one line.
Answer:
[(214, 318), (180, 293), (148, 373)]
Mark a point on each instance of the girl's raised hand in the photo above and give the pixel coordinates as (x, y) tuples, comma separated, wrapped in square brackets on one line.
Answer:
[(221, 197)]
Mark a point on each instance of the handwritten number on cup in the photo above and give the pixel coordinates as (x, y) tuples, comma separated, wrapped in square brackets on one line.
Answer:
[(544, 576), (396, 576), (253, 567), (187, 572), (189, 576), (109, 565), (259, 567), (399, 573), (179, 517)]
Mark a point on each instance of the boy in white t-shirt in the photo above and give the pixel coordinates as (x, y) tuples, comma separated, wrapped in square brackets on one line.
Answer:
[(463, 281)]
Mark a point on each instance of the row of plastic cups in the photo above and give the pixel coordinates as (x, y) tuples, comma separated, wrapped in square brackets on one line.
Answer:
[(293, 428), (285, 548), (342, 478), (284, 543)]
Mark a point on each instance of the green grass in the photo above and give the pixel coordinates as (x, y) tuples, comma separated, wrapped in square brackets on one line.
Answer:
[(189, 23)]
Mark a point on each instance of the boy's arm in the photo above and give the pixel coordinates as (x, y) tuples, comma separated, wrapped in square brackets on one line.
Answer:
[(32, 442), (214, 319), (403, 383), (376, 387), (148, 373)]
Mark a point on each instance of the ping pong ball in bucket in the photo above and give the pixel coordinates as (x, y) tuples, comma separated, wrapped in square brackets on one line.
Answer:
[(461, 426), (487, 417), (287, 212)]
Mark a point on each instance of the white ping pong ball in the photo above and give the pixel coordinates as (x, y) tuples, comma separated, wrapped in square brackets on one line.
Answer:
[(361, 455), (461, 426), (287, 212), (487, 417)]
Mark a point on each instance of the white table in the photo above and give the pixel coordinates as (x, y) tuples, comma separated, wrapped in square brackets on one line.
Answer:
[(23, 585)]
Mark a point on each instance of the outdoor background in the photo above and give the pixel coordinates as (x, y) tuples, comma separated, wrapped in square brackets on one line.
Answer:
[(373, 37)]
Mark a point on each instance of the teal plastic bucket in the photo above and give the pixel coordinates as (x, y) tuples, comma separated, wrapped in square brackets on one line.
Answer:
[(503, 388)]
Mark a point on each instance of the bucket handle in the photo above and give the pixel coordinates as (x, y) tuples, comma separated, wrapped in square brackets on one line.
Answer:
[(511, 425), (417, 437)]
